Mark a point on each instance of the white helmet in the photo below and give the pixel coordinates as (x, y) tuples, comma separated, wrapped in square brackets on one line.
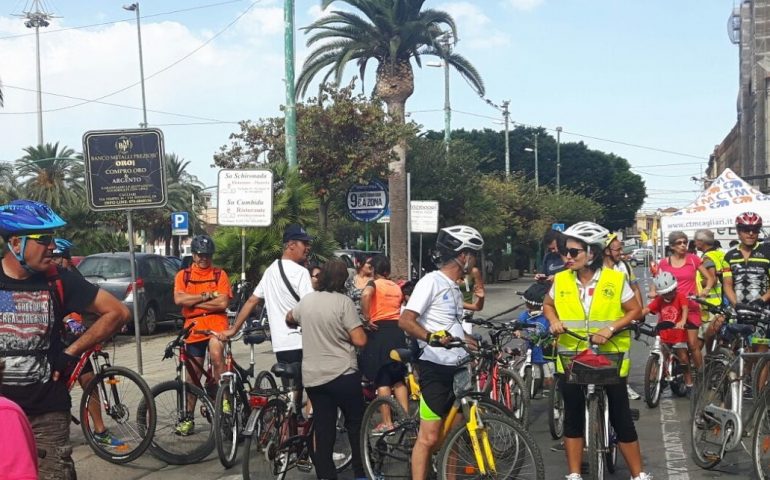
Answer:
[(664, 283), (588, 232), (451, 241)]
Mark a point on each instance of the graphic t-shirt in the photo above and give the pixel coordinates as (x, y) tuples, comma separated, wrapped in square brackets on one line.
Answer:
[(685, 279), (278, 301), (669, 311), (29, 338), (751, 275), (203, 280), (18, 455)]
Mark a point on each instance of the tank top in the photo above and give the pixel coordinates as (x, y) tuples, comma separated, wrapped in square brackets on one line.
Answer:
[(386, 304)]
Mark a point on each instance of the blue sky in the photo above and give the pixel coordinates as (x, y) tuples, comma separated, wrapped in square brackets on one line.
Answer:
[(657, 73)]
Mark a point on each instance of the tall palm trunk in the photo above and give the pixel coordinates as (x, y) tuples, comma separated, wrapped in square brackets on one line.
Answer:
[(395, 84)]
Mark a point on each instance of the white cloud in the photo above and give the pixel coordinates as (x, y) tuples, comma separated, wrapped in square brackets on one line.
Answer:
[(525, 4), (475, 29)]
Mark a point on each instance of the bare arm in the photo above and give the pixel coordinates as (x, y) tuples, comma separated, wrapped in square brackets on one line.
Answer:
[(358, 337), (709, 278), (638, 295), (112, 316), (246, 310), (218, 304), (408, 323), (366, 302), (549, 311), (631, 311), (727, 283), (184, 299)]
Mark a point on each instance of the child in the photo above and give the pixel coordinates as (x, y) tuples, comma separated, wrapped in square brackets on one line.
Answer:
[(533, 297), (671, 307), (18, 455)]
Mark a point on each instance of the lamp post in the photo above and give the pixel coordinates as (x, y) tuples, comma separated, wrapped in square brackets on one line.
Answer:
[(537, 175), (290, 124), (558, 160), (134, 7), (446, 43), (506, 116), (36, 20)]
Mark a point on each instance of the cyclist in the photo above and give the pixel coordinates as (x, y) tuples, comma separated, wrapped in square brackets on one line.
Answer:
[(747, 273), (594, 300), (713, 260), (533, 315), (33, 298), (432, 316), (203, 292)]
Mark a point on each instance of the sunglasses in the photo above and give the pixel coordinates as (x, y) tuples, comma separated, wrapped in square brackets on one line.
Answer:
[(754, 230), (680, 242), (572, 252), (41, 238)]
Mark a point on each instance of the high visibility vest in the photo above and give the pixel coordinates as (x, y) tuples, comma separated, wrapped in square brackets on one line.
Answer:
[(606, 307), (715, 294)]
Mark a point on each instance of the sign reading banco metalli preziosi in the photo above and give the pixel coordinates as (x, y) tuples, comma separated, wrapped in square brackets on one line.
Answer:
[(125, 169)]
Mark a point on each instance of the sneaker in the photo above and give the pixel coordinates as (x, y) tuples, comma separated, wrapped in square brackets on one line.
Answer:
[(558, 447), (643, 476), (574, 476), (381, 429), (338, 456), (106, 438), (226, 407), (632, 395), (185, 428)]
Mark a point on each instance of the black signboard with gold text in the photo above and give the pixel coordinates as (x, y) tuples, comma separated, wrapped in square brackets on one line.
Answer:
[(125, 169)]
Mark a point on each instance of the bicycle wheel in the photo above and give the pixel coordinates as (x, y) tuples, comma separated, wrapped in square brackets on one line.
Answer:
[(514, 451), (342, 453), (121, 400), (260, 448), (651, 381), (229, 419), (513, 394), (759, 367), (387, 453), (265, 382), (176, 441), (596, 434), (556, 411), (705, 430), (761, 440), (611, 457)]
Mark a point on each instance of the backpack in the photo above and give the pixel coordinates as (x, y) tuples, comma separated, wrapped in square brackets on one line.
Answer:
[(188, 273)]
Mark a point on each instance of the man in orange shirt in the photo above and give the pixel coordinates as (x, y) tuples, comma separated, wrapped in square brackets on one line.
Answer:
[(203, 292)]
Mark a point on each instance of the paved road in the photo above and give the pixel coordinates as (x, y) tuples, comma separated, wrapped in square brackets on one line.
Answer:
[(664, 431)]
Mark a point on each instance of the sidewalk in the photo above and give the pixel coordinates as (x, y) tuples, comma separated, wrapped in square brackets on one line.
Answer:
[(500, 297)]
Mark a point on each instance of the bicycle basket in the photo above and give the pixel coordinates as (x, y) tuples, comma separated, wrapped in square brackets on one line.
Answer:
[(583, 374)]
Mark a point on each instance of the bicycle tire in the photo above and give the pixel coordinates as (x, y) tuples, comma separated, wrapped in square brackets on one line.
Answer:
[(378, 449), (507, 437), (595, 434), (652, 386), (133, 398), (611, 457), (760, 442), (260, 447), (711, 390), (228, 426), (265, 382), (761, 364), (513, 394), (342, 444), (166, 444), (556, 411)]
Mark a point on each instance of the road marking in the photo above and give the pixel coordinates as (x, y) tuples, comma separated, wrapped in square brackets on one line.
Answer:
[(671, 427)]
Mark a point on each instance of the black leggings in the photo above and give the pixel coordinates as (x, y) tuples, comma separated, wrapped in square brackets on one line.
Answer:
[(344, 392), (620, 410)]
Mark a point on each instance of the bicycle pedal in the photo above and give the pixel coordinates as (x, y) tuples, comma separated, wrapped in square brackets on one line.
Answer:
[(635, 414), (304, 465)]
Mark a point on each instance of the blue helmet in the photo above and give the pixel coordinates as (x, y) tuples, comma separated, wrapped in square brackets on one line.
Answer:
[(62, 247), (27, 216)]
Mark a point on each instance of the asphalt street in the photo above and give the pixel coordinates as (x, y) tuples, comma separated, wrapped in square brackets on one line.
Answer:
[(663, 431)]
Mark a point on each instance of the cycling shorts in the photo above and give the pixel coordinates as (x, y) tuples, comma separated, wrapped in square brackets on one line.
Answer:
[(436, 388), (197, 349)]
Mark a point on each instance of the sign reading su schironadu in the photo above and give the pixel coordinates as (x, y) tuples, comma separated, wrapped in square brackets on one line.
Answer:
[(245, 198), (125, 169)]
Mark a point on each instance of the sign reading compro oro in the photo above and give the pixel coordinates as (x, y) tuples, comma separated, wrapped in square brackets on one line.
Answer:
[(245, 198), (125, 169)]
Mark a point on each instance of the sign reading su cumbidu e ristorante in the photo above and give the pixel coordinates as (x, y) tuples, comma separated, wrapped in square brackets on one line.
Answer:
[(125, 169)]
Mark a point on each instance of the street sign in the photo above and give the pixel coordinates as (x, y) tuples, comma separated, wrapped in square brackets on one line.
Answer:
[(245, 198), (367, 203), (385, 218), (180, 223), (559, 227), (125, 169), (424, 216)]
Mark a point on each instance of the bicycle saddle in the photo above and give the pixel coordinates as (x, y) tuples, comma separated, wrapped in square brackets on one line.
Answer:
[(403, 355), (287, 370), (254, 338), (739, 328)]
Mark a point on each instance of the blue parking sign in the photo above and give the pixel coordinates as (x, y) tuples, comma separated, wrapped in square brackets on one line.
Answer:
[(180, 223), (559, 227)]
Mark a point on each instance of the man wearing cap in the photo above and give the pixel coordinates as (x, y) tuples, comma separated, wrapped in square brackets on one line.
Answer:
[(282, 285)]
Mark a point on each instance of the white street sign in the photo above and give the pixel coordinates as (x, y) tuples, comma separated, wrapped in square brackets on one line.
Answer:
[(245, 198), (424, 215)]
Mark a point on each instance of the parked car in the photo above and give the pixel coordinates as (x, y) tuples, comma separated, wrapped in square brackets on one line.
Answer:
[(154, 280), (640, 256)]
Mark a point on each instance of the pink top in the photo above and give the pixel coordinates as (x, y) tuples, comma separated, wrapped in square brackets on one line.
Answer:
[(685, 278), (18, 455)]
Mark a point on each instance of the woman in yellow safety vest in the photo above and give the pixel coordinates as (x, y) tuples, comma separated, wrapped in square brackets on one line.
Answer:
[(591, 300)]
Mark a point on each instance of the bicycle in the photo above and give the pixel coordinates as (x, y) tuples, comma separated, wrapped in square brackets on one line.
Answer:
[(489, 444), (286, 438), (124, 401), (600, 439), (176, 401), (232, 407), (662, 368)]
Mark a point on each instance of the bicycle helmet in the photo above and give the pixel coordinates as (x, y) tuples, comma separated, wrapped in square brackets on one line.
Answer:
[(589, 233), (202, 244), (451, 241), (27, 216), (748, 219), (62, 247), (664, 283)]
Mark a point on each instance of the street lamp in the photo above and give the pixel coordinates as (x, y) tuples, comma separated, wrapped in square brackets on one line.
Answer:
[(528, 149), (558, 160), (445, 41), (36, 19), (134, 7)]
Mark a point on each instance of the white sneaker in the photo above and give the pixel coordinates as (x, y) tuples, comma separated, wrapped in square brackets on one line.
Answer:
[(643, 476), (574, 476), (632, 394)]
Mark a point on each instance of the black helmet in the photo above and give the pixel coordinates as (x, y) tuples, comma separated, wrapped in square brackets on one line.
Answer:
[(202, 244), (535, 294)]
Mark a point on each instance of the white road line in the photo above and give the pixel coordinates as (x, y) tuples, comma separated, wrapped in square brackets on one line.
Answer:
[(673, 443)]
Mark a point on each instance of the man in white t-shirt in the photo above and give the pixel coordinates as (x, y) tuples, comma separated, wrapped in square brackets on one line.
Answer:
[(433, 316), (281, 291)]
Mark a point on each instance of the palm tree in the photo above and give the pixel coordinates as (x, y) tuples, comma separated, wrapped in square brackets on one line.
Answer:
[(392, 32), (46, 171)]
